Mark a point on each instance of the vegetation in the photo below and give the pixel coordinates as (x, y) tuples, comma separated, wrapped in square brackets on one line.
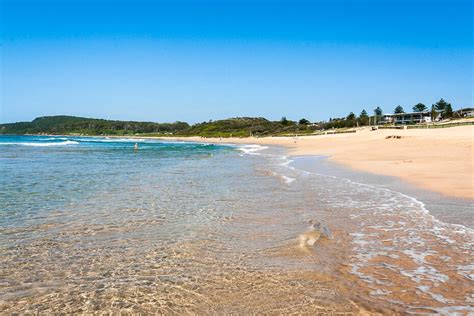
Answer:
[(420, 107), (399, 110), (346, 122), (444, 107), (364, 118), (304, 121), (244, 126), (56, 125), (378, 111)]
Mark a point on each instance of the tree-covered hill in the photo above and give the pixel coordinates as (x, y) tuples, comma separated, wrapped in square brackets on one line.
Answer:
[(87, 126), (241, 126)]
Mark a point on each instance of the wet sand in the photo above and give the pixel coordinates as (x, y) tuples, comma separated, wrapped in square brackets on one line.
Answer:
[(441, 160)]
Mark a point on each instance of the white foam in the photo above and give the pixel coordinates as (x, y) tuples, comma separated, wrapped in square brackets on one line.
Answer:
[(111, 140), (380, 292), (53, 138), (286, 162), (454, 310), (286, 179), (251, 149), (437, 297), (467, 271), (43, 144)]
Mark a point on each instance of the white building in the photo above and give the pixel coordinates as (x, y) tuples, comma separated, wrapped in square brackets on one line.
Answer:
[(406, 118), (465, 112)]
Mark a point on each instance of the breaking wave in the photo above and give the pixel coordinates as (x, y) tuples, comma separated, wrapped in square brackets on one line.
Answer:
[(42, 144), (252, 149)]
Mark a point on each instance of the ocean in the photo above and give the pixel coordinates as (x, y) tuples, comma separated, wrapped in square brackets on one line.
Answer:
[(90, 224)]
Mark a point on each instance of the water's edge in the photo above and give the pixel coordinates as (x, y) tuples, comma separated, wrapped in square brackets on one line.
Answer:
[(452, 210)]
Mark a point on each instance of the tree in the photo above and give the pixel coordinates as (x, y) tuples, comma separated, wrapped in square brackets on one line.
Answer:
[(448, 111), (434, 114), (399, 110), (350, 120), (420, 107), (445, 107), (284, 121), (304, 121), (441, 105), (377, 112), (363, 118)]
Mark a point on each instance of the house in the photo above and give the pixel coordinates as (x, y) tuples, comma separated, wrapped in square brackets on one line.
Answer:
[(406, 118), (465, 112)]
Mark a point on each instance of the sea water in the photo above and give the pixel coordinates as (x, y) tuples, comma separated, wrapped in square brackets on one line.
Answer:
[(88, 224)]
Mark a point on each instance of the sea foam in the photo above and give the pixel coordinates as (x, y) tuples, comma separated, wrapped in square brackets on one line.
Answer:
[(43, 144), (252, 149)]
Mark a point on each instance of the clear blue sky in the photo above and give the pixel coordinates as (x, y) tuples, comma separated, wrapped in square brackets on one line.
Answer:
[(201, 60)]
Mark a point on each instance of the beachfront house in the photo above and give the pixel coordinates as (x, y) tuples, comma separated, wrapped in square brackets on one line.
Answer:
[(406, 118), (465, 112)]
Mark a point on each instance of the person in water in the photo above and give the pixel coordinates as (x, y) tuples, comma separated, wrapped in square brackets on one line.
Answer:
[(135, 147)]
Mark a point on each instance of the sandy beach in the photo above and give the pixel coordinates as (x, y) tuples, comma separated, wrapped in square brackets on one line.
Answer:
[(441, 160)]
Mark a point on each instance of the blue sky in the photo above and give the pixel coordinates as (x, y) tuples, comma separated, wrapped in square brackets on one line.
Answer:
[(201, 60)]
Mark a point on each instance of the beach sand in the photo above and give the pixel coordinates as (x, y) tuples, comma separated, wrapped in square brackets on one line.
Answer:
[(441, 160)]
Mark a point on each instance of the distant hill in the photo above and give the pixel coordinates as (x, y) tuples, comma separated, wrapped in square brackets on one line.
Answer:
[(63, 124), (240, 126)]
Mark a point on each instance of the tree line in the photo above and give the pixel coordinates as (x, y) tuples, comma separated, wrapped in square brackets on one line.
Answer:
[(441, 107), (240, 126), (63, 124)]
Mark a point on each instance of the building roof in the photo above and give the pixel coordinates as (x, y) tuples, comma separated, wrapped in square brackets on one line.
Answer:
[(408, 113)]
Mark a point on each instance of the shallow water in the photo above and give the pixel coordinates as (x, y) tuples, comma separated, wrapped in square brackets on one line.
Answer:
[(89, 225), (401, 252)]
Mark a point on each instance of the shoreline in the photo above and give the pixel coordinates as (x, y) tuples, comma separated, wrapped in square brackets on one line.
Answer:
[(438, 160)]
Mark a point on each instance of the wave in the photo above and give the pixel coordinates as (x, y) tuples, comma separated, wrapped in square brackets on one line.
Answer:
[(111, 140), (52, 138), (251, 149), (43, 144), (286, 179)]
